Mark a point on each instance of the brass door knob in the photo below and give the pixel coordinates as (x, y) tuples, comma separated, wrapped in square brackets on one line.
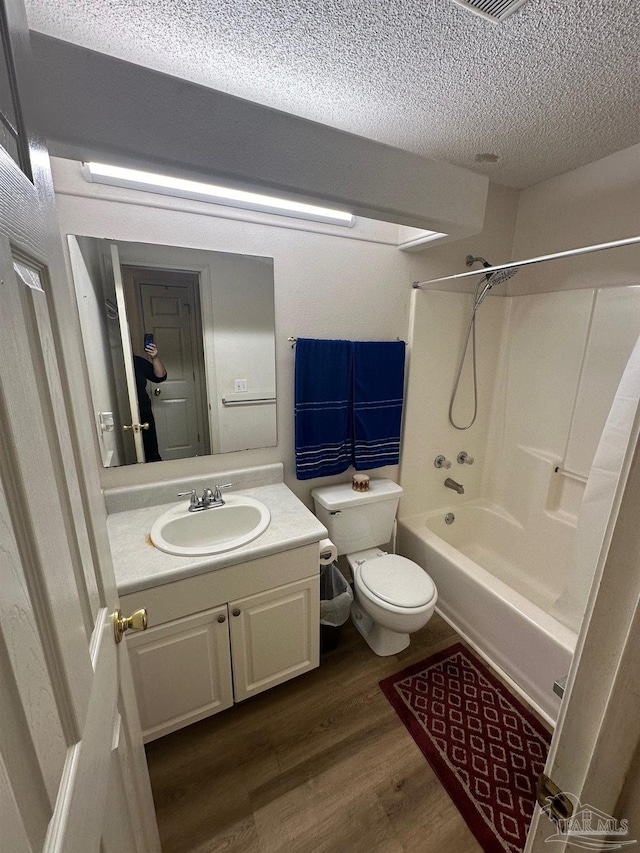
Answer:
[(138, 621)]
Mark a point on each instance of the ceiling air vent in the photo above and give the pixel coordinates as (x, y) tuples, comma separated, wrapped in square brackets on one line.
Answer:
[(494, 10)]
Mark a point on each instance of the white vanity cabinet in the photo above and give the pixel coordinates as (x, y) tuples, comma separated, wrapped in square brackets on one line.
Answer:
[(182, 671), (274, 636), (223, 636)]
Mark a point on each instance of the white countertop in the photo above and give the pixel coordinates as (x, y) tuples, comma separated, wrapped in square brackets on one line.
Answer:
[(140, 565)]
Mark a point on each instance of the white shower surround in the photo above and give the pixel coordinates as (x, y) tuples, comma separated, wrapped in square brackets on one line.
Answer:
[(507, 570)]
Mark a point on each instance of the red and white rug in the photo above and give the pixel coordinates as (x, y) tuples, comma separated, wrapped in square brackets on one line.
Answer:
[(486, 748)]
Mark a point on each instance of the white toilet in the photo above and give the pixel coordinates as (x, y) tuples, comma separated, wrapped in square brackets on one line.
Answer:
[(393, 596)]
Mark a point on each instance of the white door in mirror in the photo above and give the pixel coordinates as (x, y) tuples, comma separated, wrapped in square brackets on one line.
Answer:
[(210, 531)]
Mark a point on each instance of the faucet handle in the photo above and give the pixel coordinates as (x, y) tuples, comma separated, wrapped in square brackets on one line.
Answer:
[(194, 497), (441, 462), (464, 458), (217, 496)]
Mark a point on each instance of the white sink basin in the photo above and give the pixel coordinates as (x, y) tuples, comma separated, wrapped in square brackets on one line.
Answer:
[(210, 531)]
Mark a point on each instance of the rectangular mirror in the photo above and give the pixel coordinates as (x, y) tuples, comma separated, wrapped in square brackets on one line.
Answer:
[(206, 382)]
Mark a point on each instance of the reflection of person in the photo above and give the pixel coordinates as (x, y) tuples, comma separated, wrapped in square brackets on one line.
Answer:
[(146, 371)]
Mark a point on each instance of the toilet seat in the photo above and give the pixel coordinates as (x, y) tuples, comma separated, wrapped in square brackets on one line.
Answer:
[(398, 581)]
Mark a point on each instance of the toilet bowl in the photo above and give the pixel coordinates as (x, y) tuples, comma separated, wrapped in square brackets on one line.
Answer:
[(394, 597)]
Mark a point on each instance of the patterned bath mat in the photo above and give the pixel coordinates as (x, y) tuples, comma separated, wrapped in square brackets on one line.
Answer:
[(486, 748)]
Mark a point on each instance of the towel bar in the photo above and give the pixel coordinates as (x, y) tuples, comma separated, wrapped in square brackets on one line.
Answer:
[(250, 401)]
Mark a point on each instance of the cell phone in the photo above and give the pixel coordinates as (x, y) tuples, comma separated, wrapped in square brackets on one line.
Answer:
[(148, 339)]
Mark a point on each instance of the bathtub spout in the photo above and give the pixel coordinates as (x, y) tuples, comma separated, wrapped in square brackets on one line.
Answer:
[(457, 487)]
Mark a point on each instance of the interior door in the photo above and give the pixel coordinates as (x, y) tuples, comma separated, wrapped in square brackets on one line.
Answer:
[(72, 766), (168, 307)]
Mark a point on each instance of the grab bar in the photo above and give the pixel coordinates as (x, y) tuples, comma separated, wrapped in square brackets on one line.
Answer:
[(250, 401), (572, 475)]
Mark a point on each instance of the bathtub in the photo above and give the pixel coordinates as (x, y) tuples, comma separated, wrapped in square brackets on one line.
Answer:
[(502, 611)]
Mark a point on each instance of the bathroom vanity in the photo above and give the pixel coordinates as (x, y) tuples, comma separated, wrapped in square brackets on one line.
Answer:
[(223, 627)]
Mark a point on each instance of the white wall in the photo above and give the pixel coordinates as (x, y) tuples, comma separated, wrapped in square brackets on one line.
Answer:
[(594, 204), (349, 283), (240, 326)]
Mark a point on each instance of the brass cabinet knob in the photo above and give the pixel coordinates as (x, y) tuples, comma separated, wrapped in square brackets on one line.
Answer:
[(236, 611), (138, 621), (222, 618)]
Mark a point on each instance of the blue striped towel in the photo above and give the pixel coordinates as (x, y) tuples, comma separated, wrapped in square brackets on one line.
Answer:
[(378, 390), (323, 424)]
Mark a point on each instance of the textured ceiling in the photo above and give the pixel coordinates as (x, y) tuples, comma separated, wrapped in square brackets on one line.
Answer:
[(553, 87)]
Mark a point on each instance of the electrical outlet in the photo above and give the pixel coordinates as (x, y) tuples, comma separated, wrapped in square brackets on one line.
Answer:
[(240, 385)]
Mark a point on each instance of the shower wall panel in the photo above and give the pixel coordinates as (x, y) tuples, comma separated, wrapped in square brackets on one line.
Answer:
[(549, 365), (540, 363), (438, 330), (615, 327)]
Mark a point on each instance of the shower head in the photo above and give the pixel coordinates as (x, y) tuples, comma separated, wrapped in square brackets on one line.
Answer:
[(500, 276), (491, 278)]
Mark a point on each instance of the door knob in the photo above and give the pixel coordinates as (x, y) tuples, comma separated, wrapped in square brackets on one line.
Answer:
[(135, 427), (138, 621)]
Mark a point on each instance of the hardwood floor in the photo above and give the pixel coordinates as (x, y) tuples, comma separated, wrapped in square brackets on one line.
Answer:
[(321, 763)]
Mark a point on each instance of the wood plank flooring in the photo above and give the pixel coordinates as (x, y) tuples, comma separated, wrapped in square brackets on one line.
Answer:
[(321, 763)]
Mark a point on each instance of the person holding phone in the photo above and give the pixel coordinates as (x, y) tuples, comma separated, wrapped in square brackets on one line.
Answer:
[(148, 371)]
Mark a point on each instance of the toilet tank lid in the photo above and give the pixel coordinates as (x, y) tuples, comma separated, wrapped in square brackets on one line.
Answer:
[(342, 496)]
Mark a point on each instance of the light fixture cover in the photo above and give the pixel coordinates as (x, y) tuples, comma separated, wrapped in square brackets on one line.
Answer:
[(118, 176)]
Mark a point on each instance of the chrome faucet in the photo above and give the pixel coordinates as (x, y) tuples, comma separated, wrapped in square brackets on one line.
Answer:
[(209, 499), (457, 487)]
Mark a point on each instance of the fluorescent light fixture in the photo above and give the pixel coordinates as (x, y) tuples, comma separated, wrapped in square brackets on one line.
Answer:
[(101, 173)]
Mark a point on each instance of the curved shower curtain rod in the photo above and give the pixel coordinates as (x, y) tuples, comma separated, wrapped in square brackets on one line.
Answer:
[(584, 250)]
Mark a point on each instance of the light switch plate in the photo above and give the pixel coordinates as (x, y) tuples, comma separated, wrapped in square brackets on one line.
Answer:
[(240, 385)]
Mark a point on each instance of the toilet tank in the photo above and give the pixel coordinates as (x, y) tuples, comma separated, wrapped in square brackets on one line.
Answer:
[(358, 520)]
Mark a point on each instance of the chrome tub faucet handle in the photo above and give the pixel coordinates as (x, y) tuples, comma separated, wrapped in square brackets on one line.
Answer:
[(441, 462)]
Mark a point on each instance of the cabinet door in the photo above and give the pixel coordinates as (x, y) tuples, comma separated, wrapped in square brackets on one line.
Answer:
[(274, 636), (182, 671)]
